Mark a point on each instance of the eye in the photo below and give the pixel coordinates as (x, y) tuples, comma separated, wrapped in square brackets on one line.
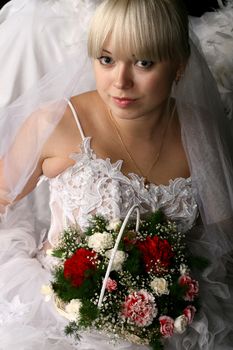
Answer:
[(144, 64), (106, 60)]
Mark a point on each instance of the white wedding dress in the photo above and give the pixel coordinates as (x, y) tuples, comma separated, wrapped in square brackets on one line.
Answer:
[(89, 187)]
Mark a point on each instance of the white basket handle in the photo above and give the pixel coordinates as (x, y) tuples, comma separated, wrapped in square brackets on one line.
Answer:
[(131, 210)]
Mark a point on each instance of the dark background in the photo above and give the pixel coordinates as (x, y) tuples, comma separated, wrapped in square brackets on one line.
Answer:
[(198, 7), (195, 7)]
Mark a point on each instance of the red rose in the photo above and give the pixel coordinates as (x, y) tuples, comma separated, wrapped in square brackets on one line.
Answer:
[(157, 254), (78, 264), (192, 287), (189, 313), (166, 326)]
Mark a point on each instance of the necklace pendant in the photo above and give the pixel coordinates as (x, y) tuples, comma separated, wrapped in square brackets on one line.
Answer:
[(146, 184)]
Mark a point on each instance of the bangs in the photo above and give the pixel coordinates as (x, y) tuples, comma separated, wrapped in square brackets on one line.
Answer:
[(146, 29)]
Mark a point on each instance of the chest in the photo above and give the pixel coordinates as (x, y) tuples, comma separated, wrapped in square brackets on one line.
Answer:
[(98, 186)]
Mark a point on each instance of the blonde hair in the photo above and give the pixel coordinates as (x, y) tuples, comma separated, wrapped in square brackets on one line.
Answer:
[(156, 30)]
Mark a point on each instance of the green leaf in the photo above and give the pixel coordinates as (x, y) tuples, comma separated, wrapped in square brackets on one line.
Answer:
[(58, 253), (72, 329), (88, 313), (134, 263)]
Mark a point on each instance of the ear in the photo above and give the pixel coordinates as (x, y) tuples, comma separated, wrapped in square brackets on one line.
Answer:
[(180, 71)]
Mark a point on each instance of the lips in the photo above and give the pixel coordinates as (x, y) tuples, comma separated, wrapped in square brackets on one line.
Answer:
[(123, 101)]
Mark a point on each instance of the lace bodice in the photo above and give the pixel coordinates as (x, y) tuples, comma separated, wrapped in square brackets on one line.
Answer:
[(97, 186)]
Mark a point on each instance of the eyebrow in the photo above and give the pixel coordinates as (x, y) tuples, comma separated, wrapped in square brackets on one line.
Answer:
[(106, 51)]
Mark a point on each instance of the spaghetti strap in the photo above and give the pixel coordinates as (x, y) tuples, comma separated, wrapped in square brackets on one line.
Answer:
[(76, 119)]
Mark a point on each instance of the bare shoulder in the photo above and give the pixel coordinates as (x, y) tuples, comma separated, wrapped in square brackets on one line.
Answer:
[(66, 137), (90, 109), (87, 103), (67, 134)]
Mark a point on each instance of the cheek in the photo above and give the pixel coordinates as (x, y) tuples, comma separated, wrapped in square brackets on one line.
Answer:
[(160, 84), (103, 79)]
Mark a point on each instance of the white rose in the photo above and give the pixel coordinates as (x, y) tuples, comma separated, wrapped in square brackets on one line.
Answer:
[(180, 324), (114, 224), (73, 309), (100, 241), (159, 286), (119, 259)]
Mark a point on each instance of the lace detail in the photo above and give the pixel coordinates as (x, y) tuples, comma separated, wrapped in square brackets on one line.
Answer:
[(97, 186)]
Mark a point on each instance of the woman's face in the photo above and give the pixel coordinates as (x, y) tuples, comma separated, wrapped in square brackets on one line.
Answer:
[(130, 87)]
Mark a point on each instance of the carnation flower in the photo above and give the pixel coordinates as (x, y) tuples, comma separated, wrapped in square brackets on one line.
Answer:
[(77, 266), (111, 285), (114, 224), (180, 324), (166, 326), (73, 309), (159, 286), (100, 241), (189, 313), (192, 287), (139, 308), (118, 261), (157, 254)]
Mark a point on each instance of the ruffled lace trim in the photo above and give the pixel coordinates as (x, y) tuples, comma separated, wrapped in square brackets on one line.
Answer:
[(97, 186)]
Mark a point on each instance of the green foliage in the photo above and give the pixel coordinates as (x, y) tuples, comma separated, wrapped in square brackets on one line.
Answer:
[(134, 263), (68, 244), (177, 291), (88, 313), (65, 291), (72, 329), (63, 288), (58, 253), (155, 219), (96, 224)]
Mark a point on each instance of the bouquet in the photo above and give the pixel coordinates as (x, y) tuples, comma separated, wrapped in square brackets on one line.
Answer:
[(132, 283)]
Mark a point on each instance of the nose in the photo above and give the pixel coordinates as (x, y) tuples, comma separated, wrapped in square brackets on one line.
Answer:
[(123, 78)]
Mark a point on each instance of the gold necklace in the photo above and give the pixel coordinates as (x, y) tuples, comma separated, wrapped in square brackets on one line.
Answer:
[(123, 145)]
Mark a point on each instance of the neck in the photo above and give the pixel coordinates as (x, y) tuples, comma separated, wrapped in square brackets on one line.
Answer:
[(144, 127)]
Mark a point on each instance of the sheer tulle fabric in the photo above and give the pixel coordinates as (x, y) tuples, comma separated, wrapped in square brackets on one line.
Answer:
[(34, 36)]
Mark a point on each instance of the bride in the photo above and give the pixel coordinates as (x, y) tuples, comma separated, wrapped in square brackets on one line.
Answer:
[(150, 134)]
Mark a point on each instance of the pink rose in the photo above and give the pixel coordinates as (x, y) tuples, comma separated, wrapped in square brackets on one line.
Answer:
[(189, 313), (111, 285), (192, 287), (166, 326), (139, 308)]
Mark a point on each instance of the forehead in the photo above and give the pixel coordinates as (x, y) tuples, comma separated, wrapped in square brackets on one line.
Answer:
[(123, 50)]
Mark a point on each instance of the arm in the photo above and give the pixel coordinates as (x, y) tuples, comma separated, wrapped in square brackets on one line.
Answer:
[(4, 189)]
